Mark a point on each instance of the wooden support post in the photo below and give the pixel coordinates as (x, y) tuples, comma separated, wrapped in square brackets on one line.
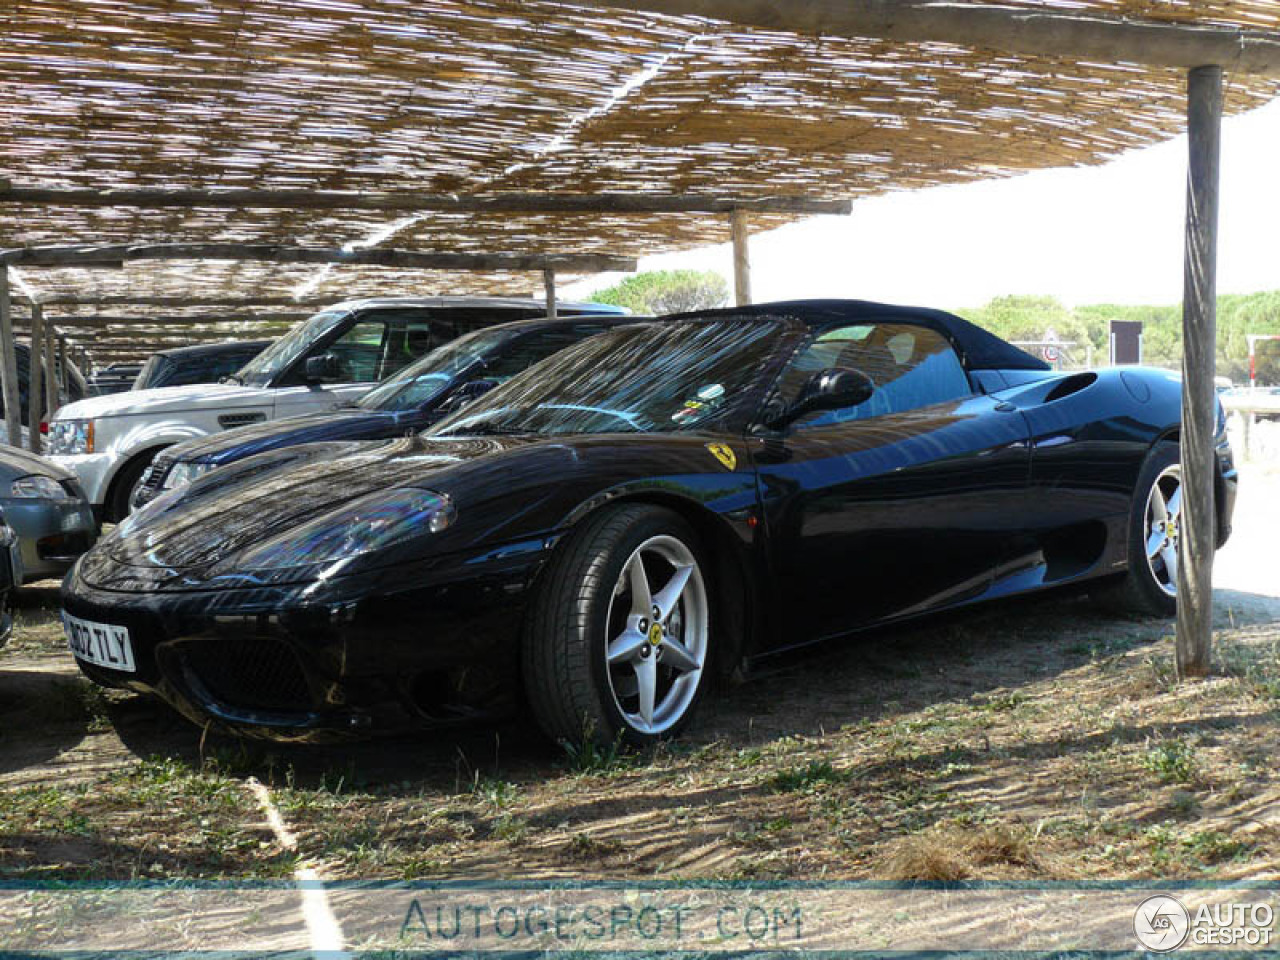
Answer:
[(9, 366), (741, 258), (52, 393), (1199, 350), (62, 362), (549, 282), (35, 384)]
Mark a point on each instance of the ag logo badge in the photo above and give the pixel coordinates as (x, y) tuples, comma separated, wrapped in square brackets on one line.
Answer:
[(724, 453)]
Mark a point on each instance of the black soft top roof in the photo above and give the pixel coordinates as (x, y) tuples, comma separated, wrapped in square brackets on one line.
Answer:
[(981, 349)]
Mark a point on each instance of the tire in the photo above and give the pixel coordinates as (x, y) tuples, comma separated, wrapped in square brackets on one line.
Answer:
[(586, 612), (120, 498), (1149, 587)]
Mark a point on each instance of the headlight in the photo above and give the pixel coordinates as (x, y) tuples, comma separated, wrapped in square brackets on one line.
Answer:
[(182, 473), (368, 524), (38, 487), (71, 436)]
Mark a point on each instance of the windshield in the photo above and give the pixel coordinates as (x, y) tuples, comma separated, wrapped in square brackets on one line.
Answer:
[(148, 373), (419, 382), (652, 378), (282, 353)]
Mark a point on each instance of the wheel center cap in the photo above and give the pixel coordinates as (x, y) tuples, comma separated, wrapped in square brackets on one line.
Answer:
[(655, 635)]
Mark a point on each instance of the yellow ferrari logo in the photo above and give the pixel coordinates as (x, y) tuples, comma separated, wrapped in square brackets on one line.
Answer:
[(655, 634), (724, 453)]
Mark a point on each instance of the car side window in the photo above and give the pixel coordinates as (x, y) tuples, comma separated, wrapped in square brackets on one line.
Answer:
[(359, 351), (911, 366)]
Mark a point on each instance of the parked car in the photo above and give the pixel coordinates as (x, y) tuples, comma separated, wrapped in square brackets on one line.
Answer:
[(47, 510), (113, 378), (419, 395), (333, 357), (203, 363), (643, 509)]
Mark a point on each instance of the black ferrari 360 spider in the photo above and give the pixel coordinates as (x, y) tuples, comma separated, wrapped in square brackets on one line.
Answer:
[(648, 508)]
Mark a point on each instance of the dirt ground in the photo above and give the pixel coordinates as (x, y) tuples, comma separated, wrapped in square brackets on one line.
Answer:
[(1036, 739)]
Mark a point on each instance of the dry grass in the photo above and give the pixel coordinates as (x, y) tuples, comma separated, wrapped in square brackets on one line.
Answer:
[(1039, 740)]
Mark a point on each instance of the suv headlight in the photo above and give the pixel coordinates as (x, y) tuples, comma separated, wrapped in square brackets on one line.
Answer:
[(71, 437), (183, 472), (363, 526), (39, 488)]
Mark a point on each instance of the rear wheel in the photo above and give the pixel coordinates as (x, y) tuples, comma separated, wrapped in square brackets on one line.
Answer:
[(618, 643), (1151, 584)]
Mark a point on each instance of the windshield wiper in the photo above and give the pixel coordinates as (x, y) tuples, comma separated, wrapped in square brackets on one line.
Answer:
[(231, 378)]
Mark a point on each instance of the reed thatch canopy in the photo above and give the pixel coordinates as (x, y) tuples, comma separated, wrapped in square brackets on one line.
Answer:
[(485, 98)]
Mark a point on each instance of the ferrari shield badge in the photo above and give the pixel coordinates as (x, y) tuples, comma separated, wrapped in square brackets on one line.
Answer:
[(724, 453)]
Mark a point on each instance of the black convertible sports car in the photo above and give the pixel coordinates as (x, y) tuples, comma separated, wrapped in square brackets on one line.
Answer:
[(647, 508)]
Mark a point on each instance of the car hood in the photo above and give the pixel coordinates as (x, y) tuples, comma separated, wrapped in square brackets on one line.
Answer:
[(204, 396), (505, 490), (19, 463), (346, 423), (249, 502)]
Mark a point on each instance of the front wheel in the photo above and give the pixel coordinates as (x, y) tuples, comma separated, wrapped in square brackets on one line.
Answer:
[(618, 643)]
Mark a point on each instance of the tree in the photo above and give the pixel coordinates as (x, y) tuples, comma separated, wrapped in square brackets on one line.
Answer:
[(667, 291)]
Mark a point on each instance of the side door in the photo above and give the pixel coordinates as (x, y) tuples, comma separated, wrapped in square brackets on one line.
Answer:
[(904, 503)]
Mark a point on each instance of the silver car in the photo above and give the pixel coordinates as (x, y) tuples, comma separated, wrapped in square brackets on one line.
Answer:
[(47, 510)]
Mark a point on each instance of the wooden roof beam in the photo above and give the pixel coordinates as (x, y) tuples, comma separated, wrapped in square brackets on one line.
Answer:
[(75, 256), (562, 203), (102, 320), (137, 300), (1016, 30)]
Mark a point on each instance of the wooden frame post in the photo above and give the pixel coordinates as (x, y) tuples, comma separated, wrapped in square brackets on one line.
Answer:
[(549, 283), (9, 366), (35, 384), (53, 384), (741, 258), (1199, 349), (62, 362)]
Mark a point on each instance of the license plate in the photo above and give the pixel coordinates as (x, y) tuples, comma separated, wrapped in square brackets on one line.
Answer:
[(102, 644)]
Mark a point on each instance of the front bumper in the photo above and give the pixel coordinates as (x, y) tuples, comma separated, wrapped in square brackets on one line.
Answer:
[(93, 470), (52, 534), (377, 653)]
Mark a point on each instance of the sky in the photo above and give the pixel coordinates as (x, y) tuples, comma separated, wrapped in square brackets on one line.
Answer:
[(1111, 233)]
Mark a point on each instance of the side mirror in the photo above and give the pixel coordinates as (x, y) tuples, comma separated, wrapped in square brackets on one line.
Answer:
[(835, 388), (321, 369), (469, 391)]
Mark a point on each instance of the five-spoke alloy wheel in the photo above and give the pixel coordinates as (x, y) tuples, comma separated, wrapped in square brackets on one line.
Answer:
[(1164, 508), (1150, 586), (658, 625), (618, 642)]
